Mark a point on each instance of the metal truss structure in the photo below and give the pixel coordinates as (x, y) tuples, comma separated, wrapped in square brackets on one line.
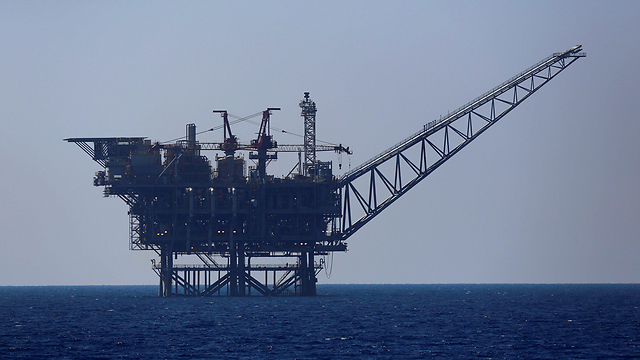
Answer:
[(379, 182), (309, 114), (226, 216)]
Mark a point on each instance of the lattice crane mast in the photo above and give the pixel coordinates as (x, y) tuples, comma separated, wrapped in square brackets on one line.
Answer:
[(309, 114)]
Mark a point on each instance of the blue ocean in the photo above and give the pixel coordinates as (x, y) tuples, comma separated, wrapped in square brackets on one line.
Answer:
[(342, 322)]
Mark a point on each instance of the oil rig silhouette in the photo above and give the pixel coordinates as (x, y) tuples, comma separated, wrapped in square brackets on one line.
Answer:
[(231, 214)]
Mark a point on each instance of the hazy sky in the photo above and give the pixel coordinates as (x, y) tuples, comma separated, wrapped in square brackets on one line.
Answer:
[(550, 194)]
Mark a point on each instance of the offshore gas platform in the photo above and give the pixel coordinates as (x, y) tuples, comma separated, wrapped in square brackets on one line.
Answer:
[(230, 214)]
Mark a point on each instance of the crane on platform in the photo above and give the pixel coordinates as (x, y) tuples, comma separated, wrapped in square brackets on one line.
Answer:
[(453, 133), (179, 204)]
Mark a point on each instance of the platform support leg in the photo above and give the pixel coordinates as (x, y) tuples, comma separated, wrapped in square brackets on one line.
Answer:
[(166, 271), (307, 274)]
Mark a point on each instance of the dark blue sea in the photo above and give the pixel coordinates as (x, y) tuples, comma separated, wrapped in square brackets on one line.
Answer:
[(343, 322)]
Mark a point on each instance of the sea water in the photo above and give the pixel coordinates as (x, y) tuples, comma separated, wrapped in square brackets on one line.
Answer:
[(343, 322)]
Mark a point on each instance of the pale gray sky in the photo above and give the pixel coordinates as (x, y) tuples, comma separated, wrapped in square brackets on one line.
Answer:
[(550, 194)]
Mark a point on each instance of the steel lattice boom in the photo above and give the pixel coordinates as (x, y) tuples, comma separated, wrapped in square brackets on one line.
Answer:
[(413, 159)]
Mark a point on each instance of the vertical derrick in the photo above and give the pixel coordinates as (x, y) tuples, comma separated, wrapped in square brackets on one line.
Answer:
[(309, 114)]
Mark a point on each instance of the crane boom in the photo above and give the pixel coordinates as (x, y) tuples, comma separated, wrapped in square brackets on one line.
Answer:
[(418, 155)]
